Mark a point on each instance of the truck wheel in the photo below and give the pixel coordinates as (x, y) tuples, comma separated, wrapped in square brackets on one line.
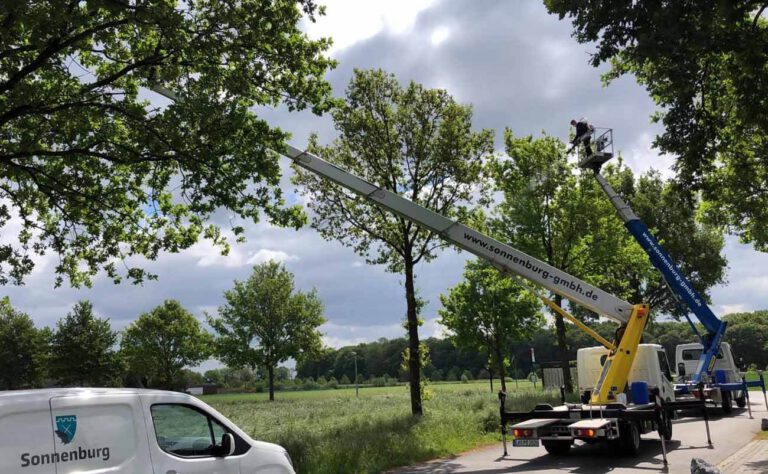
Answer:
[(629, 439), (741, 402), (557, 448), (725, 395)]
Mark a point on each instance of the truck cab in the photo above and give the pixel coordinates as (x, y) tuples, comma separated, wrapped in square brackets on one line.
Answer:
[(650, 366), (725, 370), (687, 356), (56, 431)]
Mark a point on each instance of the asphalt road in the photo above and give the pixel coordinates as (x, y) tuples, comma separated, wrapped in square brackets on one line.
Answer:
[(689, 440)]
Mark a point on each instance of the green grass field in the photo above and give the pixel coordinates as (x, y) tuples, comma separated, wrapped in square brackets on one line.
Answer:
[(332, 431), (753, 376)]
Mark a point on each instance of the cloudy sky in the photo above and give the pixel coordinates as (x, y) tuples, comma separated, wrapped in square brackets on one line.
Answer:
[(517, 66)]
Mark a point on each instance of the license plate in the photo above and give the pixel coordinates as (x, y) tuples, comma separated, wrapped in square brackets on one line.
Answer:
[(525, 443)]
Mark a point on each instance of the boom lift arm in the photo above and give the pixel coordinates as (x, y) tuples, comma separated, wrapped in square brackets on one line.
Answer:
[(680, 286), (508, 260), (513, 262)]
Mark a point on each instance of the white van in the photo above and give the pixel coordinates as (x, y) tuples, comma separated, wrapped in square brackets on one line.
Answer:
[(101, 430)]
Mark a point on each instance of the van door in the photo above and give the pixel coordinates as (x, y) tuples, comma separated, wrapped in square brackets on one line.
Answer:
[(26, 439), (99, 433), (186, 439), (667, 387)]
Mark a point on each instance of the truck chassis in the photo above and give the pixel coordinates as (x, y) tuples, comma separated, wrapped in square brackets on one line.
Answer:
[(556, 428)]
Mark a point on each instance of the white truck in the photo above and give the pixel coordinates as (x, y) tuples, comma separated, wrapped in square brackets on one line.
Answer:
[(102, 430), (650, 366), (726, 370)]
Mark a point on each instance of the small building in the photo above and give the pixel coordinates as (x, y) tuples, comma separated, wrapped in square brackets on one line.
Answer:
[(204, 389)]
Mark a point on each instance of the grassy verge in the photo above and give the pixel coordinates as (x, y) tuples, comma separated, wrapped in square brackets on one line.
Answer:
[(334, 431), (753, 376)]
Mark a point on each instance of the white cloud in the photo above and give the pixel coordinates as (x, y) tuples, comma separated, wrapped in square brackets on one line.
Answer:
[(641, 157), (351, 21), (339, 335), (439, 35), (724, 309), (265, 255)]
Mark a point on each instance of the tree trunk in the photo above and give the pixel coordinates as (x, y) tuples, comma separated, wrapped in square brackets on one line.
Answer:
[(414, 360), (500, 364), (490, 376), (271, 371), (562, 344)]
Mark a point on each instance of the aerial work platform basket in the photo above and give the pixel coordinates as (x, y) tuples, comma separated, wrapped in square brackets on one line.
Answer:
[(600, 142)]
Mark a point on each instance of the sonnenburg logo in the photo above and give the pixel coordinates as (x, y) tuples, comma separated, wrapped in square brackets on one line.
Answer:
[(66, 426)]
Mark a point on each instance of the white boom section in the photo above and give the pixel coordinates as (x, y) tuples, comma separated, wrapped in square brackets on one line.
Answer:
[(502, 256)]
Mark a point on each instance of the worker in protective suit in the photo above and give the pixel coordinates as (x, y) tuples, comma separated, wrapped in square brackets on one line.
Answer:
[(583, 135)]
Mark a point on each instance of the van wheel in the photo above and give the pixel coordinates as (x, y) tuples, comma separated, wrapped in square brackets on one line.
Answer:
[(741, 402), (629, 439), (727, 402), (558, 448)]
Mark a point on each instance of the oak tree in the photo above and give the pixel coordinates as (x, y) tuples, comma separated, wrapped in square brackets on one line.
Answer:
[(410, 140), (97, 169), (704, 64), (164, 341), (23, 349), (266, 321), (487, 311)]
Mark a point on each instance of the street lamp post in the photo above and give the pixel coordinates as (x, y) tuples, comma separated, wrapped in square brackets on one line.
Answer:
[(357, 393)]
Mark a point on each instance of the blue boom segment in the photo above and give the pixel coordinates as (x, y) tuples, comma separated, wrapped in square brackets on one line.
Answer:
[(683, 288), (677, 282)]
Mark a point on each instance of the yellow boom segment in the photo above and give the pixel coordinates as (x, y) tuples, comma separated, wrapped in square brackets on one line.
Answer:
[(617, 366)]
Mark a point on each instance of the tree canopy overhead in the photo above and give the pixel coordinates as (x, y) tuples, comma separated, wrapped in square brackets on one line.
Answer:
[(704, 64), (96, 172)]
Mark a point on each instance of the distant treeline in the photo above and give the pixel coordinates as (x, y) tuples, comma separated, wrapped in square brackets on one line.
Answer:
[(747, 333)]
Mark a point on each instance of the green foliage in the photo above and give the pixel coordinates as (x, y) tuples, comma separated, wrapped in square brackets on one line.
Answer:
[(704, 64), (561, 216), (98, 173), (82, 349), (23, 349), (411, 141), (748, 335), (383, 357), (487, 311), (557, 215), (265, 321), (161, 343), (424, 392), (344, 380), (695, 247)]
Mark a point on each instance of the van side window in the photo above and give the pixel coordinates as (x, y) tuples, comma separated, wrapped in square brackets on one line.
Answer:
[(185, 431)]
